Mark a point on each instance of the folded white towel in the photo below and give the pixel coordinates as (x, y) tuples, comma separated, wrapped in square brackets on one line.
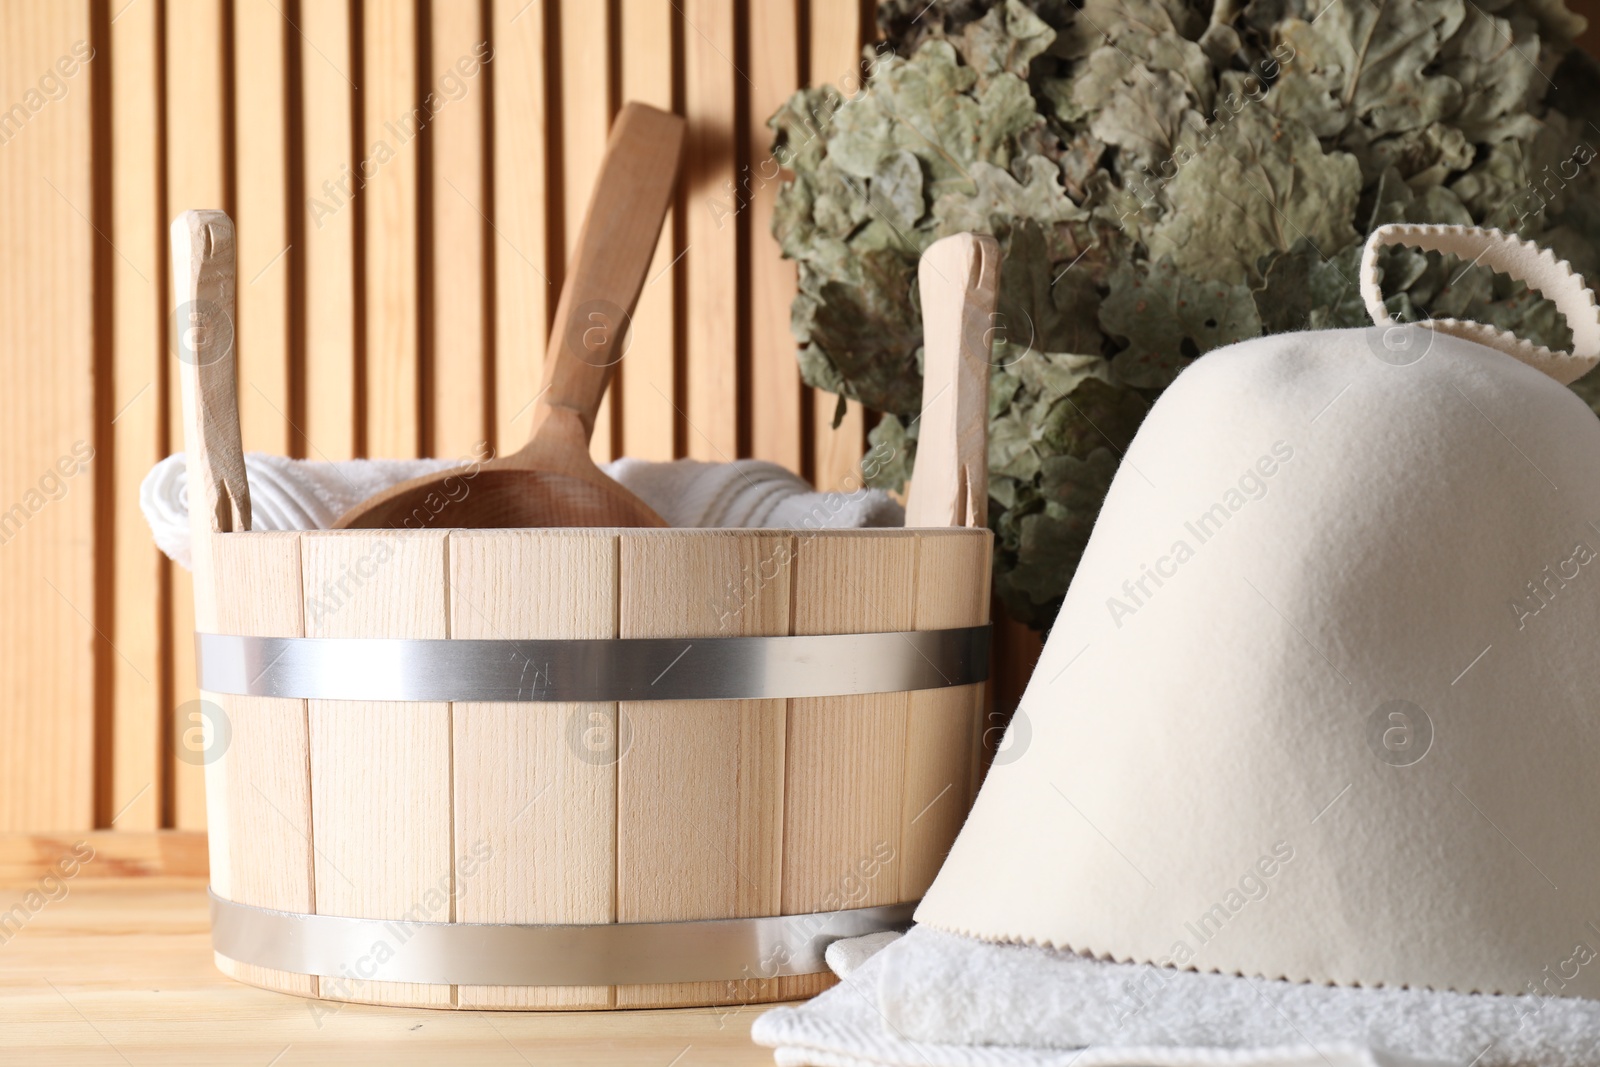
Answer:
[(933, 999), (298, 494)]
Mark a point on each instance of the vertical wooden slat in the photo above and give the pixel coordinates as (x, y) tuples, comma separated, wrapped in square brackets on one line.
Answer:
[(331, 183), (586, 110), (258, 785), (524, 294), (530, 788), (711, 84), (261, 223), (700, 794), (836, 60), (380, 772), (196, 178), (846, 755), (952, 589), (392, 120), (775, 388), (646, 376), (138, 323), (46, 519), (457, 78)]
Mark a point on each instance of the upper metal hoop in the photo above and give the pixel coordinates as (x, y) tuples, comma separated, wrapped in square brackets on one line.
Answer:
[(688, 668)]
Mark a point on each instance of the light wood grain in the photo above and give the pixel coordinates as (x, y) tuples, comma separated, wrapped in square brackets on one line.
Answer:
[(952, 589), (380, 772), (457, 80), (393, 121), (261, 143), (139, 317), (775, 387), (130, 963), (712, 83), (525, 297), (646, 377), (959, 279), (700, 790), (331, 185), (843, 818), (259, 785), (195, 170), (836, 60), (118, 854), (586, 110), (528, 787)]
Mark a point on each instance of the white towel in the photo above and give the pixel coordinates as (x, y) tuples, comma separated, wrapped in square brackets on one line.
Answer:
[(932, 999), (297, 494)]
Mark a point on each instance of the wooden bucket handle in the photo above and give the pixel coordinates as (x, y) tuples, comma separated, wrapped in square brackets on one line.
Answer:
[(959, 281), (203, 275)]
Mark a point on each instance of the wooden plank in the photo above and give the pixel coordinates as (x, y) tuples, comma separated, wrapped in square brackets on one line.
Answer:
[(392, 122), (711, 84), (775, 387), (524, 295), (195, 172), (700, 794), (836, 60), (380, 772), (258, 781), (586, 112), (262, 223), (457, 272), (846, 756), (46, 512), (138, 360), (116, 854), (646, 377), (528, 788), (952, 589), (329, 229)]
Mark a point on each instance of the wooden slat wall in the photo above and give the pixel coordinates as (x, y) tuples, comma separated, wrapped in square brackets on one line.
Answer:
[(49, 654), (407, 177)]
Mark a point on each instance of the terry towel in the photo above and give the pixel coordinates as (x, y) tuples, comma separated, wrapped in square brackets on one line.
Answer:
[(297, 494), (933, 999)]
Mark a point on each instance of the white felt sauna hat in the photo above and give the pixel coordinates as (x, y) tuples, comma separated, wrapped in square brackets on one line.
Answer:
[(1323, 702)]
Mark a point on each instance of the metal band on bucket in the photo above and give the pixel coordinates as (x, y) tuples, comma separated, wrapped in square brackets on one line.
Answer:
[(674, 668), (510, 954)]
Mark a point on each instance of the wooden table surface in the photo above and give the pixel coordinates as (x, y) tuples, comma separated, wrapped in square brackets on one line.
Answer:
[(119, 972)]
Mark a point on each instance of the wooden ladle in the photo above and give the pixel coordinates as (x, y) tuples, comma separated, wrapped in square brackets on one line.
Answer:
[(551, 481)]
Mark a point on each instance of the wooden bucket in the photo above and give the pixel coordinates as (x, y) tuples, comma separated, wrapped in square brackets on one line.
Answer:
[(573, 768)]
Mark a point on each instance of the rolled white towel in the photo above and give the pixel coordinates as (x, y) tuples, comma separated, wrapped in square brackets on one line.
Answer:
[(299, 494)]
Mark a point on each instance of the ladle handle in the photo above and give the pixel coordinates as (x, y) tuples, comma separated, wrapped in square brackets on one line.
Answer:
[(607, 271)]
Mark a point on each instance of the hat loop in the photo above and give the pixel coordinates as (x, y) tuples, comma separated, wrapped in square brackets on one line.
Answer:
[(1522, 260)]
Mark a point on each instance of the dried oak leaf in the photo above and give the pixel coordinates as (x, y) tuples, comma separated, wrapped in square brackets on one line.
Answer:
[(1495, 60), (1133, 107), (879, 366), (1369, 61), (1169, 319), (1006, 40), (1261, 184)]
